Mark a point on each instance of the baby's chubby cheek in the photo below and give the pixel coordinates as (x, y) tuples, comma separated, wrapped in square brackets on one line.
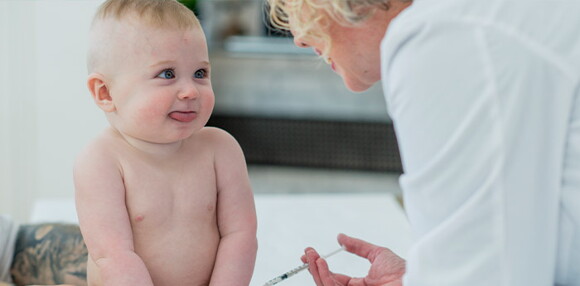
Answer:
[(154, 109)]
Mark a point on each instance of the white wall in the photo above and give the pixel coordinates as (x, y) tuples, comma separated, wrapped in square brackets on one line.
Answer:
[(47, 115), (17, 136)]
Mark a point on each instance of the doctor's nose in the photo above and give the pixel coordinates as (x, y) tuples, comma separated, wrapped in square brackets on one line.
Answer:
[(298, 41)]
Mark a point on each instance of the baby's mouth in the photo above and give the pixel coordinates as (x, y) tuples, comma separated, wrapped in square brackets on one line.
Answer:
[(183, 116)]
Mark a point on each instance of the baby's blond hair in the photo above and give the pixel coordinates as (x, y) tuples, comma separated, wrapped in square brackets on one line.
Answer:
[(153, 13), (312, 16), (157, 13)]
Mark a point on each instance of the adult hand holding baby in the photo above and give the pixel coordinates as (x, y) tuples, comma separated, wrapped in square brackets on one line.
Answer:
[(386, 269)]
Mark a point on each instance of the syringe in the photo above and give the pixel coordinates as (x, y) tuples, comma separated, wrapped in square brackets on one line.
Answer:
[(296, 270)]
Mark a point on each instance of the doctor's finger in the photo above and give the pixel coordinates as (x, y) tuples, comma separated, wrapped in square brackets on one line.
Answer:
[(328, 278), (311, 257), (359, 247)]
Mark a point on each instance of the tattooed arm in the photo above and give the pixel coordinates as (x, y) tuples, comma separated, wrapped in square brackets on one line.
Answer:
[(49, 254)]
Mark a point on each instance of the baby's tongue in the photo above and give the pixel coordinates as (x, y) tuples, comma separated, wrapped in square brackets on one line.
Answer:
[(183, 116)]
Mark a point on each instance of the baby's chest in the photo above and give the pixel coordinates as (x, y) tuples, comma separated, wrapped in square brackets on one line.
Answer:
[(158, 197)]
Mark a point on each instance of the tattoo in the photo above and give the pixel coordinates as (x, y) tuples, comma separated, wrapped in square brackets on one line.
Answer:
[(49, 254)]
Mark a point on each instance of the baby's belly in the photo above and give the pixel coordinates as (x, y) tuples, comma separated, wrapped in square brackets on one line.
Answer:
[(174, 255), (179, 254)]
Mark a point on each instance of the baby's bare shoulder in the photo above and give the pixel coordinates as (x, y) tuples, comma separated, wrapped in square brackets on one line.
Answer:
[(102, 149), (225, 148), (215, 139), (215, 133)]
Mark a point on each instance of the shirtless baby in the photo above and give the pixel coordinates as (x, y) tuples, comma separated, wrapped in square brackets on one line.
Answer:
[(161, 199)]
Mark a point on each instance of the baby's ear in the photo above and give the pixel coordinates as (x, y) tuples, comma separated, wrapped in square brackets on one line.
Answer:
[(100, 92)]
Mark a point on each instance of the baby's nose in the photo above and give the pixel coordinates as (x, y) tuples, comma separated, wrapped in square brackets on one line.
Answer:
[(188, 92)]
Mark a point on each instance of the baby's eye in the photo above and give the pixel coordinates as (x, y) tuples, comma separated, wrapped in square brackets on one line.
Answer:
[(200, 73), (167, 74)]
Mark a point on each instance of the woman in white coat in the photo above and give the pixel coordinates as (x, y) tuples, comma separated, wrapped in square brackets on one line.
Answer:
[(485, 100)]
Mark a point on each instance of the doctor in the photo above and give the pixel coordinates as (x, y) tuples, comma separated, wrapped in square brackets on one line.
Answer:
[(485, 100)]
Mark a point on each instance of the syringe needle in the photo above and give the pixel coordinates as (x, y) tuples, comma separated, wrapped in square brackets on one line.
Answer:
[(333, 253), (297, 270)]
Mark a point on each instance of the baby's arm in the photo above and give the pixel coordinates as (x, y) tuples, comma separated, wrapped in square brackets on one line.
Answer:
[(104, 221), (236, 214)]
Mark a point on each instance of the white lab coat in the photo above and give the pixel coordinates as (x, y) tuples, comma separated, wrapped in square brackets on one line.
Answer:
[(485, 100)]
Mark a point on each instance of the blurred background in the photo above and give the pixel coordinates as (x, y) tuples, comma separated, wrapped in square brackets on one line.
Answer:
[(305, 136)]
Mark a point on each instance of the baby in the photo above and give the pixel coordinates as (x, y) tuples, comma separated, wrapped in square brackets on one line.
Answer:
[(161, 199)]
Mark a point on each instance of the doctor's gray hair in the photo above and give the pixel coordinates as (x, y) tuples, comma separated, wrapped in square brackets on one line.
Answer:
[(351, 11), (310, 17)]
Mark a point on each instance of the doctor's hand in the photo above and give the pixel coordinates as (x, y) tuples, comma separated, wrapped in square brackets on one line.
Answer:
[(386, 269)]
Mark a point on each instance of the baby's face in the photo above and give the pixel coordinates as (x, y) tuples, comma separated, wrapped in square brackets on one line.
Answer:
[(160, 83)]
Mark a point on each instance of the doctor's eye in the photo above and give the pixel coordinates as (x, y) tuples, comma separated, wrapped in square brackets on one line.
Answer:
[(167, 74), (200, 73)]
